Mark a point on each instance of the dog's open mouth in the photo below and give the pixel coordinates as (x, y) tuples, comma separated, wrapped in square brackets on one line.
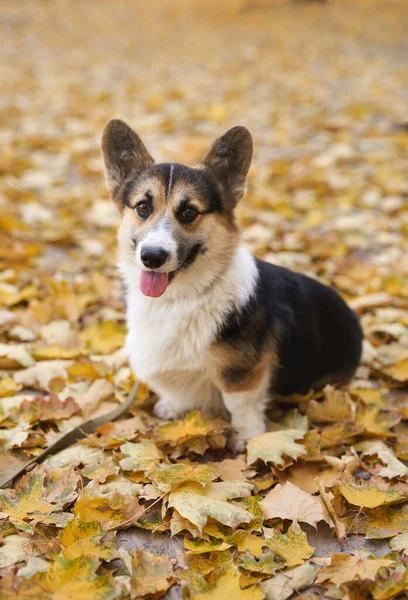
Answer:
[(154, 284)]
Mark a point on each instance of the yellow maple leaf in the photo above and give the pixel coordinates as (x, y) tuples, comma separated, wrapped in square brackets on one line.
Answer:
[(67, 580), (149, 573), (227, 585), (28, 503), (292, 547), (193, 425), (168, 476), (84, 538), (104, 338), (8, 387), (369, 496), (336, 407)]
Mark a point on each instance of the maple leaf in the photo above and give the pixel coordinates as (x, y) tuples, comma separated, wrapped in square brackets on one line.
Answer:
[(101, 470), (272, 446), (28, 502), (400, 542), (68, 579), (104, 338), (290, 502), (284, 584), (195, 503), (374, 422), (382, 522), (370, 496), (252, 543), (233, 469), (192, 426), (169, 476), (336, 407), (227, 584), (75, 455), (265, 564), (149, 573), (112, 508), (143, 456), (86, 538), (8, 387), (292, 547), (344, 568), (394, 467), (14, 550)]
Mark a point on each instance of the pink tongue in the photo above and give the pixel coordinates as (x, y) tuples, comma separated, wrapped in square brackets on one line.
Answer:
[(153, 284)]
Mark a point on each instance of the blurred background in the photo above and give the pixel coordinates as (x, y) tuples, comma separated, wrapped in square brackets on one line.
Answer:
[(323, 86)]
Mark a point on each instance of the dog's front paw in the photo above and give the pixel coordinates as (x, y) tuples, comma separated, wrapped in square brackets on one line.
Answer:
[(236, 443), (163, 409), (240, 435)]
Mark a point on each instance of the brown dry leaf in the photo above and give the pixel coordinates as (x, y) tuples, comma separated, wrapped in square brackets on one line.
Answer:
[(345, 568), (290, 502)]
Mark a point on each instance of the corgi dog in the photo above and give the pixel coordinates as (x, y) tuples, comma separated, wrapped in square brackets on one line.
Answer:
[(210, 327)]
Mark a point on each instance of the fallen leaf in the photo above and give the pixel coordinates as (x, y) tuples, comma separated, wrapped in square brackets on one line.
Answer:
[(344, 568), (169, 476), (193, 425), (292, 547), (290, 581), (144, 456), (84, 538), (274, 445), (197, 504), (336, 407), (369, 496), (290, 502)]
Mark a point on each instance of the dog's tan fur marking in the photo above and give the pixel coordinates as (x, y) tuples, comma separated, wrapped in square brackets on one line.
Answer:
[(242, 368)]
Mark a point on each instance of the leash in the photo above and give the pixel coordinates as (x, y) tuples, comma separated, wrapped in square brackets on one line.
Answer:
[(73, 436)]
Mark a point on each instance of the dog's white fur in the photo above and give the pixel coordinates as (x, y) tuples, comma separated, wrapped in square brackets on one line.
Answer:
[(169, 340)]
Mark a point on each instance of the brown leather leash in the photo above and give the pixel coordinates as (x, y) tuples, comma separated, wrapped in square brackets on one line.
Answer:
[(73, 436)]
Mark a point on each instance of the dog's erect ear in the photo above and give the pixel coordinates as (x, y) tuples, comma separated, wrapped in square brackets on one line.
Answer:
[(229, 160), (123, 153)]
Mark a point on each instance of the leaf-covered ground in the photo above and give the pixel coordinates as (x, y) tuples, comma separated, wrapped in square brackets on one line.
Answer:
[(324, 89)]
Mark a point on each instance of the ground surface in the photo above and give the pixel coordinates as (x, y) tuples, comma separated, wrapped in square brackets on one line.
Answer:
[(324, 89)]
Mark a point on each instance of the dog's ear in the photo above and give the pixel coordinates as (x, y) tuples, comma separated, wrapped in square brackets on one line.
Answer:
[(229, 160), (123, 152)]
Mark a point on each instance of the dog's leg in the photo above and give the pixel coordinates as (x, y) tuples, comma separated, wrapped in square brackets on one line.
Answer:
[(247, 410), (184, 391)]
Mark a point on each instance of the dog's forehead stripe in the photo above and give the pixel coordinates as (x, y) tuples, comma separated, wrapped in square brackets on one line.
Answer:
[(170, 179)]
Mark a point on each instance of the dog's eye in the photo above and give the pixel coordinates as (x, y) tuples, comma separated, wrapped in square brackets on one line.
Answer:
[(189, 214), (143, 209)]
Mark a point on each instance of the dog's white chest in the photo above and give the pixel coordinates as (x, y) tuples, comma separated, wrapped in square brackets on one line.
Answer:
[(176, 334), (168, 338)]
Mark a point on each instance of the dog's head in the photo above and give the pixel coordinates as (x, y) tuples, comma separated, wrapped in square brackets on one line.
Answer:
[(178, 225)]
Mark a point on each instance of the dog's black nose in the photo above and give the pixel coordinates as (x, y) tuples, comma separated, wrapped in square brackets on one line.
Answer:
[(153, 257)]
